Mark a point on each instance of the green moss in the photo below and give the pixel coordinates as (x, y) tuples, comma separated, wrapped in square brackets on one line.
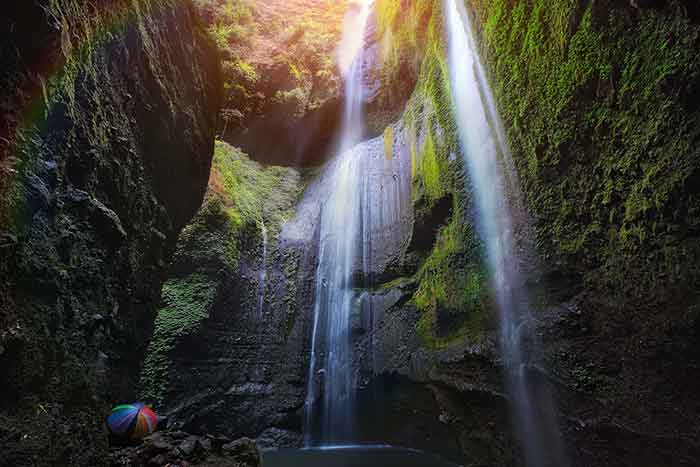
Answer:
[(186, 304), (409, 31), (453, 289), (451, 283), (602, 113), (242, 196), (431, 169), (389, 143), (298, 43)]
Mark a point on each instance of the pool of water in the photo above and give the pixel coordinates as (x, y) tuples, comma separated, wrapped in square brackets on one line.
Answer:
[(352, 456)]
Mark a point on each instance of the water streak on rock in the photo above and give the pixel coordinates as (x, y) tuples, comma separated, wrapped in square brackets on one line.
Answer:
[(497, 194)]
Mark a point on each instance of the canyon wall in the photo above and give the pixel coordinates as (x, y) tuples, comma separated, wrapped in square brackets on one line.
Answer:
[(107, 140)]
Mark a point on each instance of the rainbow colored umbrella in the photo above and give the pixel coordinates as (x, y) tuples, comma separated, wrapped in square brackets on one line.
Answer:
[(133, 421)]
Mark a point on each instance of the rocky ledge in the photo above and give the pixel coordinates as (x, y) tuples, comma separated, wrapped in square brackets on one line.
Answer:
[(180, 449)]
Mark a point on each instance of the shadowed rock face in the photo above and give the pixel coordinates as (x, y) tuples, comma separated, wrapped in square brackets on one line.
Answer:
[(243, 371), (239, 368), (111, 133), (300, 140)]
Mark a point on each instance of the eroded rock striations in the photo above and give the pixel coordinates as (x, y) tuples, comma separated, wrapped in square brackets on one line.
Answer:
[(107, 137), (230, 349)]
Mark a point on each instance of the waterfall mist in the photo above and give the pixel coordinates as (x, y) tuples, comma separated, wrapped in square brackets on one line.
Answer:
[(494, 180)]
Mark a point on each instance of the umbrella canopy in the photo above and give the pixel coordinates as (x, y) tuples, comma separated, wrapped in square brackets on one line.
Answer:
[(133, 421)]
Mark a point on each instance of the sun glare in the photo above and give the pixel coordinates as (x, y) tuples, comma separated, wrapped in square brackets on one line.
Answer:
[(353, 36)]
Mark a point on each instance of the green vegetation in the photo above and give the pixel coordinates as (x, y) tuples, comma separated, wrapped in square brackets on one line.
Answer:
[(277, 55), (410, 35), (185, 305), (389, 142), (407, 31), (430, 169), (242, 195), (452, 291), (602, 108), (452, 285)]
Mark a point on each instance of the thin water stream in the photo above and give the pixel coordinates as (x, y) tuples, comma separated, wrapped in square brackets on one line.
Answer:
[(262, 278)]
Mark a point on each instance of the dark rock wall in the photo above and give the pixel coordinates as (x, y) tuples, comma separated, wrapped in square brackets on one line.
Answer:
[(108, 129)]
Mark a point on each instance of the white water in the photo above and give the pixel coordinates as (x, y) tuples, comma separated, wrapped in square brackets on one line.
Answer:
[(340, 233), (262, 279), (491, 173)]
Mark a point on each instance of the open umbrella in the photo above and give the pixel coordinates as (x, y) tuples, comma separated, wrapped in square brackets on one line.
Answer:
[(133, 421)]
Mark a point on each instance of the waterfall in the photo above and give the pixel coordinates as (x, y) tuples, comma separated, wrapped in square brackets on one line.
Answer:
[(493, 178), (340, 234)]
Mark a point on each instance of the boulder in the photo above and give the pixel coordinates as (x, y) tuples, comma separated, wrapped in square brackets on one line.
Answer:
[(244, 451)]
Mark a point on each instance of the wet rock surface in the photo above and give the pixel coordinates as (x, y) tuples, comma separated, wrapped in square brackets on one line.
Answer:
[(240, 368), (95, 195), (180, 449)]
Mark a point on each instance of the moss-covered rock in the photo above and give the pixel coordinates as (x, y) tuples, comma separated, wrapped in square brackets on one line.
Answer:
[(107, 137), (230, 306), (452, 284), (601, 105)]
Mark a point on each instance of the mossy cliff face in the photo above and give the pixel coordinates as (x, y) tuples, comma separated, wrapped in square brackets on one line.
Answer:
[(229, 351), (601, 107), (601, 102), (109, 130), (450, 280)]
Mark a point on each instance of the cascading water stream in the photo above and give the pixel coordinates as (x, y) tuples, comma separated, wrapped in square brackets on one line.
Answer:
[(340, 235), (491, 173), (262, 279)]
